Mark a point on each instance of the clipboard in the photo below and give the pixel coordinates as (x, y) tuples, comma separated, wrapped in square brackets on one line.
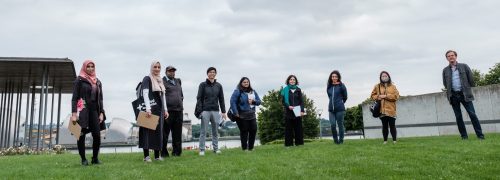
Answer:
[(144, 121), (75, 129)]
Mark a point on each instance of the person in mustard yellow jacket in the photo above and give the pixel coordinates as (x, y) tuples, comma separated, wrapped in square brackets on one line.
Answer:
[(388, 94)]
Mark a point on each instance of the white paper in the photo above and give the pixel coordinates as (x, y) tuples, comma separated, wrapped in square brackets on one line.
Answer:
[(296, 111)]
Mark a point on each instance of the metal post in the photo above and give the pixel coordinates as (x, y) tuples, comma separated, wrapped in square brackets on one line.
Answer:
[(9, 117), (5, 113), (5, 117), (2, 107), (40, 109), (18, 114), (46, 94), (320, 129), (52, 111), (27, 108), (32, 117), (319, 111), (16, 90), (58, 113)]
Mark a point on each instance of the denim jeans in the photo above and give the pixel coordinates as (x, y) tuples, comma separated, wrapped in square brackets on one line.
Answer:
[(455, 100), (337, 118)]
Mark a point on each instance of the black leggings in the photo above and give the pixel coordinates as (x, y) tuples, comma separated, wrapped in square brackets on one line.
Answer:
[(248, 130), (96, 136), (389, 123), (146, 153)]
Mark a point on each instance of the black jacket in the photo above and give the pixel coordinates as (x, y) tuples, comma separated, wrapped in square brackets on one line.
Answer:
[(210, 96), (295, 99), (83, 89)]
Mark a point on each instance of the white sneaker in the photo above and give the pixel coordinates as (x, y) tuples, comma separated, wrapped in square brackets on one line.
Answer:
[(147, 159), (159, 159), (218, 152), (202, 153), (394, 142), (385, 142)]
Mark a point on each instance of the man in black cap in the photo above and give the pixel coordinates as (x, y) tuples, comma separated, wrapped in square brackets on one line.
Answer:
[(174, 97)]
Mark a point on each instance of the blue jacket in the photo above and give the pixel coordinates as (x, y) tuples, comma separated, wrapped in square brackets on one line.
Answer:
[(336, 103), (242, 103)]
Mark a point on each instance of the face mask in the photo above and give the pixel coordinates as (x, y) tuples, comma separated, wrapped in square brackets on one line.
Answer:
[(385, 79)]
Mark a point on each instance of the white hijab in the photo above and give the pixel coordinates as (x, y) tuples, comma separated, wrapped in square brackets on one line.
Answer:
[(156, 80)]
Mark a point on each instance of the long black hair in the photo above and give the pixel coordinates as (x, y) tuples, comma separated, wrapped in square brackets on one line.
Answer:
[(241, 88), (388, 75), (330, 82)]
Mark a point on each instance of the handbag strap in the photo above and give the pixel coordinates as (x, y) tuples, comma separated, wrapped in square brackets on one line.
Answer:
[(378, 89)]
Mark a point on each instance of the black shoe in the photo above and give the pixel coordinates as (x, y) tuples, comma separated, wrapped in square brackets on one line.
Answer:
[(85, 162), (481, 138), (96, 161), (465, 138)]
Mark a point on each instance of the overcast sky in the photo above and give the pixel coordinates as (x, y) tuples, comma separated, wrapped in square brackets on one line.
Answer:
[(263, 40)]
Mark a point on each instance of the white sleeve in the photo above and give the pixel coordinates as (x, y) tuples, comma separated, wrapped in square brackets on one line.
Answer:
[(164, 102), (145, 95)]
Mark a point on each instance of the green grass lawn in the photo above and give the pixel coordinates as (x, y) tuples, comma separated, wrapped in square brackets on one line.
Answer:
[(445, 157)]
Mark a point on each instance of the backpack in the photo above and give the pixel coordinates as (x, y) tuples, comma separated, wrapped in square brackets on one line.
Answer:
[(230, 113), (138, 91), (199, 104)]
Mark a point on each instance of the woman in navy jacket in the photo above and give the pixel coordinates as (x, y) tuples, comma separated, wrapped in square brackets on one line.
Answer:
[(243, 103), (337, 95)]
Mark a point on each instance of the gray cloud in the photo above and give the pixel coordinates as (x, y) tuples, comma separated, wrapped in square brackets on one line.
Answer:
[(264, 40)]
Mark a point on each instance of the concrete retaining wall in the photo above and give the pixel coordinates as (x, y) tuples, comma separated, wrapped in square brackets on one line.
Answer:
[(432, 115)]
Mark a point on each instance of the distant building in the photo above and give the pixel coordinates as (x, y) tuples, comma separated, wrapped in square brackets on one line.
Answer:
[(187, 128), (120, 132)]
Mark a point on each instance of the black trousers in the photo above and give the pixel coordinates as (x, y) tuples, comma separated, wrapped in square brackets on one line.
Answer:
[(389, 123), (248, 131), (146, 153), (174, 125), (294, 130), (93, 122), (96, 137), (456, 99)]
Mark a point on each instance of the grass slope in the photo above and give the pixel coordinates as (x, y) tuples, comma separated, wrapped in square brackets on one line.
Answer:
[(445, 157)]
